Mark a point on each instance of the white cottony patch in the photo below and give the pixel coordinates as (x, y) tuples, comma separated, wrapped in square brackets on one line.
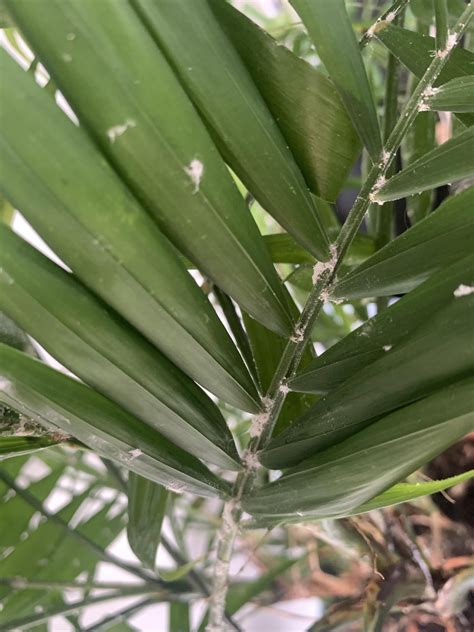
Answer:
[(298, 336), (195, 171), (284, 389), (450, 44), (387, 347), (134, 454), (323, 266), (176, 487), (250, 460), (385, 158), (258, 424), (390, 16), (429, 92), (463, 290), (118, 130), (381, 180), (325, 295), (4, 384), (423, 107)]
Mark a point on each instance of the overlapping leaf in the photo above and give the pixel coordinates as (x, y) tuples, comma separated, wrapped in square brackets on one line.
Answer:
[(58, 401), (125, 93), (442, 238), (456, 95), (410, 370), (146, 509), (331, 31), (397, 494), (415, 51), (449, 162), (217, 81), (303, 101), (386, 330), (97, 346), (345, 476), (62, 185)]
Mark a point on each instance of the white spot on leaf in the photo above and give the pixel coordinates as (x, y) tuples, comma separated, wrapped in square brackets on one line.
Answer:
[(118, 130), (463, 290), (195, 171)]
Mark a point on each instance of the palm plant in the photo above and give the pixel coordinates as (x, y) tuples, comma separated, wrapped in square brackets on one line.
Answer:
[(178, 120)]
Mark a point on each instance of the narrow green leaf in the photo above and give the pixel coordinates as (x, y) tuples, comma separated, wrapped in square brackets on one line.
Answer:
[(386, 330), (331, 31), (420, 139), (404, 492), (13, 336), (438, 352), (16, 446), (415, 51), (395, 495), (146, 510), (180, 572), (345, 476), (94, 223), (125, 94), (217, 81), (449, 162), (442, 238), (99, 347), (456, 95), (179, 617), (303, 101), (57, 401), (284, 249)]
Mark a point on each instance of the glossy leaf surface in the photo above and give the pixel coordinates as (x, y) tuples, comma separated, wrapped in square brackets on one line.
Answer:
[(126, 95), (61, 183)]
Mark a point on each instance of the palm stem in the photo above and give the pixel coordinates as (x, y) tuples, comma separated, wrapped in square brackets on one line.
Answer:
[(273, 401)]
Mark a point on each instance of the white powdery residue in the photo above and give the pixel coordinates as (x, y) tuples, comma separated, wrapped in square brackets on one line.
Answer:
[(381, 180), (118, 130), (450, 44), (5, 277), (387, 347), (195, 171), (267, 402), (284, 388), (298, 336), (250, 460), (258, 424), (4, 384), (323, 266), (325, 295), (385, 158), (176, 487), (429, 92), (135, 453), (463, 290)]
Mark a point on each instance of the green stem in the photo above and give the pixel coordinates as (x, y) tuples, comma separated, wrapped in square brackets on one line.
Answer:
[(263, 424), (64, 609), (121, 615), (441, 17), (23, 583), (387, 16), (383, 216)]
